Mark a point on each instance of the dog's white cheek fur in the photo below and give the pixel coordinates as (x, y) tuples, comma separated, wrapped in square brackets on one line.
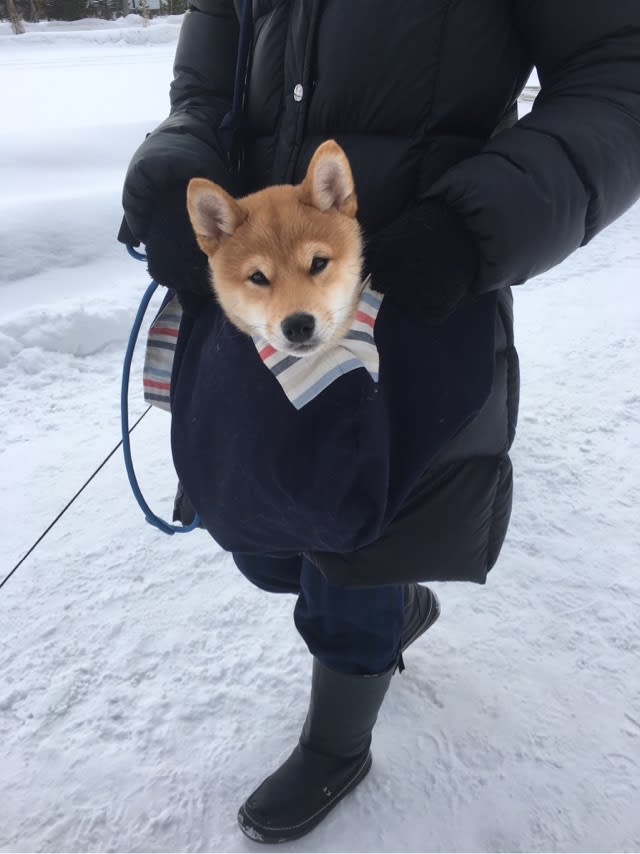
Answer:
[(254, 318), (342, 305)]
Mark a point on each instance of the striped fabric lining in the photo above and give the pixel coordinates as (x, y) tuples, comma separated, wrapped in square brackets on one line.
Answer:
[(304, 378), (158, 361)]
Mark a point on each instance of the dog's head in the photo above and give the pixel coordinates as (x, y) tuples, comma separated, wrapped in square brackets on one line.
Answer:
[(286, 261)]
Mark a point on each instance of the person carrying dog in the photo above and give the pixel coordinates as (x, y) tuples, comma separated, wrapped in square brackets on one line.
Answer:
[(458, 201)]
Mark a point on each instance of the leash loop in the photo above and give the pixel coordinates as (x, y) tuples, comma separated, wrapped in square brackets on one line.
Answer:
[(139, 256), (149, 515)]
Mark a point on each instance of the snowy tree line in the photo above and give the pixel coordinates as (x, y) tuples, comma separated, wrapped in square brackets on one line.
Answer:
[(73, 10)]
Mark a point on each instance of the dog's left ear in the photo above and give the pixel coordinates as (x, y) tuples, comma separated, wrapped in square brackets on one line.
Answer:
[(328, 183)]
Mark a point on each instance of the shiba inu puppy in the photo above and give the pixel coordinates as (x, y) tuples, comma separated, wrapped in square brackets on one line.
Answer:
[(286, 261)]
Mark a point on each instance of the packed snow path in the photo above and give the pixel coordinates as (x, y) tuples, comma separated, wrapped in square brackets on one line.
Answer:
[(145, 687)]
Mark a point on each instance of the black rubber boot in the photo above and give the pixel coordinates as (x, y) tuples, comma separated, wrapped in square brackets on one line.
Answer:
[(333, 755), (330, 760)]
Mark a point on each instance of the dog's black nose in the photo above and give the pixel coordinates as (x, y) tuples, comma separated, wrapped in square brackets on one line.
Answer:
[(298, 328)]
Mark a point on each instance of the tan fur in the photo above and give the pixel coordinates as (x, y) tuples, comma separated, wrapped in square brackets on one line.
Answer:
[(278, 231)]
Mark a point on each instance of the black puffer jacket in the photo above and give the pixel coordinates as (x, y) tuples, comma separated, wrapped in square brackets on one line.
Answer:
[(413, 90)]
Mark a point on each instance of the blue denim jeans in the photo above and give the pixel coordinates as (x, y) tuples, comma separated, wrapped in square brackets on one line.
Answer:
[(353, 631)]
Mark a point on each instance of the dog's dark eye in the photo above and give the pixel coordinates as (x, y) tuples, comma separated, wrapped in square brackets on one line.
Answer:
[(318, 265), (258, 278)]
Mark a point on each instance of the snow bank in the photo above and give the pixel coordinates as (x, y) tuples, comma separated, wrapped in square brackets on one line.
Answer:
[(64, 230), (92, 31), (77, 329), (63, 159), (67, 288), (60, 205)]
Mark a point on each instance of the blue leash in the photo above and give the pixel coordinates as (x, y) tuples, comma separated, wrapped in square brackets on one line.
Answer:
[(149, 515)]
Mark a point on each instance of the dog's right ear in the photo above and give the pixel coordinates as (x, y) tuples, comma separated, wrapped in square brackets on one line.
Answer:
[(328, 183), (214, 214)]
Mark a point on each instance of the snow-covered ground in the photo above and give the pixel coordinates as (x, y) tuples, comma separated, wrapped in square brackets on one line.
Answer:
[(145, 687)]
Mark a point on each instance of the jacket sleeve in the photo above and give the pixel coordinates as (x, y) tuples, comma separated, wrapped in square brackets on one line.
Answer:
[(185, 144), (545, 187)]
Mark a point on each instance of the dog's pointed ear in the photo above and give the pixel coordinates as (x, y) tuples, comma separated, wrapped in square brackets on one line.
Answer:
[(328, 183), (214, 214)]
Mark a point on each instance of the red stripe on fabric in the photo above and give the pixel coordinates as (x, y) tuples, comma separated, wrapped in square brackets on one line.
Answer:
[(164, 330), (267, 351), (364, 318), (155, 384)]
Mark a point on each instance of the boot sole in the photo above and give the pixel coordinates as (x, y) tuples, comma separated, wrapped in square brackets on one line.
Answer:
[(275, 835)]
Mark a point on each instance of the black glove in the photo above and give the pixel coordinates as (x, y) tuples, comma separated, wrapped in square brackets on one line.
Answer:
[(425, 260), (174, 258), (173, 255)]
